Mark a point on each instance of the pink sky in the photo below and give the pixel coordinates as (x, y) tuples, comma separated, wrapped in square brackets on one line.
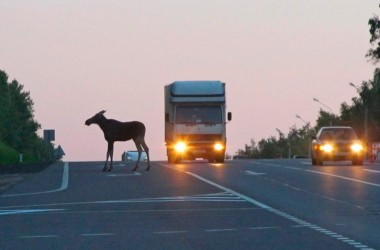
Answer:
[(79, 57)]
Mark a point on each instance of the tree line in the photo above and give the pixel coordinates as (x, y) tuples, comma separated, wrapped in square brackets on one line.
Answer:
[(363, 115), (18, 127)]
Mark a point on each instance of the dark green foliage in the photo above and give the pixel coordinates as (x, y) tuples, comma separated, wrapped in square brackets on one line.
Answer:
[(18, 128), (297, 142), (374, 53), (367, 102)]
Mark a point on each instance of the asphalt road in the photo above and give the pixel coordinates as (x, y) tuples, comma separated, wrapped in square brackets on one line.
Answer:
[(256, 204)]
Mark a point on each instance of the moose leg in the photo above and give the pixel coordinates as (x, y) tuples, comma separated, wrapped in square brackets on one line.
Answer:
[(110, 155), (108, 152), (146, 149), (110, 146), (139, 150)]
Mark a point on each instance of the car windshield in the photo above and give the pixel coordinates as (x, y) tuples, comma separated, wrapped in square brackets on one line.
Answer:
[(198, 114), (338, 134)]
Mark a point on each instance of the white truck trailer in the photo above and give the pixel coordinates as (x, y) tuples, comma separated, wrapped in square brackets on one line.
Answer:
[(195, 120)]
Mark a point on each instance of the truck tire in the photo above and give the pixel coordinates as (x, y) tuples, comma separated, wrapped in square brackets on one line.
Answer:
[(313, 161), (319, 161), (172, 158), (219, 158)]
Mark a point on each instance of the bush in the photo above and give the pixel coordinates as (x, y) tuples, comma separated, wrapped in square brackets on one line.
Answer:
[(8, 155)]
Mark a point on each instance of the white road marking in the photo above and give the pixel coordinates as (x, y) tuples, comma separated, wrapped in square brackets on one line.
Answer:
[(214, 197), (25, 211), (97, 234), (253, 173), (322, 173), (282, 214), (171, 232), (38, 236), (371, 170), (64, 184), (345, 178), (262, 228), (123, 175), (220, 230)]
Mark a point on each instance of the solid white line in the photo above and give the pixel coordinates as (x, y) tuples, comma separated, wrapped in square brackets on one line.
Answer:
[(64, 184), (345, 178)]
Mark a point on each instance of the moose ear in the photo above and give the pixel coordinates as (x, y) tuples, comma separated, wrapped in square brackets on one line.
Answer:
[(102, 112)]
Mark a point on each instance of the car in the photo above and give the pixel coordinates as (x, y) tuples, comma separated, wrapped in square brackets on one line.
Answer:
[(336, 143), (132, 156)]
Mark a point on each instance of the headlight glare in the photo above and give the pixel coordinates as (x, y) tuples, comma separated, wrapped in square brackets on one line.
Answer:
[(326, 148), (218, 146), (180, 147), (357, 147)]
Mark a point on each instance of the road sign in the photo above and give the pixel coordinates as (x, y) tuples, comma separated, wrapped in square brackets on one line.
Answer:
[(49, 135)]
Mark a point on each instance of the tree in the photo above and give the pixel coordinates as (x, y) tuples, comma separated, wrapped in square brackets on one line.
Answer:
[(18, 128), (374, 52)]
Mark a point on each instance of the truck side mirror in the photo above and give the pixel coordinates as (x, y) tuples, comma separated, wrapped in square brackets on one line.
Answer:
[(167, 117), (229, 116)]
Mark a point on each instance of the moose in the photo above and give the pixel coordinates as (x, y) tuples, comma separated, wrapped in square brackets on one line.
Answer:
[(120, 131)]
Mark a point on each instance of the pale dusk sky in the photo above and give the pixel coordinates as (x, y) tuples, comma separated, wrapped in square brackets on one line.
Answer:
[(79, 57)]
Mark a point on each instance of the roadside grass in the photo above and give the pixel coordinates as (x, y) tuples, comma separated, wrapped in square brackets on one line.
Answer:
[(8, 155)]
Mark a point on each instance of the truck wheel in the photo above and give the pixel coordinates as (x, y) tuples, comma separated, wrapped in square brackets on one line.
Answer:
[(313, 161), (319, 161), (172, 158), (219, 158)]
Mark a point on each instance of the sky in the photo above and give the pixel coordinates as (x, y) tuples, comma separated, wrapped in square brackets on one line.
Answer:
[(80, 57)]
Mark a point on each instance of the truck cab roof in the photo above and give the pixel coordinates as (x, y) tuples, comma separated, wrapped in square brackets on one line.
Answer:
[(197, 88)]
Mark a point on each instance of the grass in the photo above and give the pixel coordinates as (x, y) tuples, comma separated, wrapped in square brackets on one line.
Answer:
[(8, 155)]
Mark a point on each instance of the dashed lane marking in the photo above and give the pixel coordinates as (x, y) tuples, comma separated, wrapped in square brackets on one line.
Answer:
[(253, 173), (372, 171), (124, 175), (345, 178)]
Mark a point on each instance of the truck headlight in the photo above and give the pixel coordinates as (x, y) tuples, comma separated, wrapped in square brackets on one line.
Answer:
[(326, 148), (180, 147), (218, 146), (356, 147)]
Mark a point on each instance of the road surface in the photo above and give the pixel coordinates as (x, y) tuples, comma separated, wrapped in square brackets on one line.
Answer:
[(250, 204)]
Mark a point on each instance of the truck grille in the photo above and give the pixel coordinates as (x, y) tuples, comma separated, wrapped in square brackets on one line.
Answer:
[(200, 137)]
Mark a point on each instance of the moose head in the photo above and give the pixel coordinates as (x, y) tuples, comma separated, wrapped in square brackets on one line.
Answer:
[(96, 118)]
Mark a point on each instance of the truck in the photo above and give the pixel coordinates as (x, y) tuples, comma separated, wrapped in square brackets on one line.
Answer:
[(195, 121)]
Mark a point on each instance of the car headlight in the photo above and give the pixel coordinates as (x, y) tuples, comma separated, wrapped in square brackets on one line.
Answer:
[(356, 147), (218, 146), (326, 148), (180, 147)]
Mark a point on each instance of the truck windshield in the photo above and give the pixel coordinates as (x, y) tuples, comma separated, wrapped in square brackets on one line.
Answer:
[(198, 114)]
